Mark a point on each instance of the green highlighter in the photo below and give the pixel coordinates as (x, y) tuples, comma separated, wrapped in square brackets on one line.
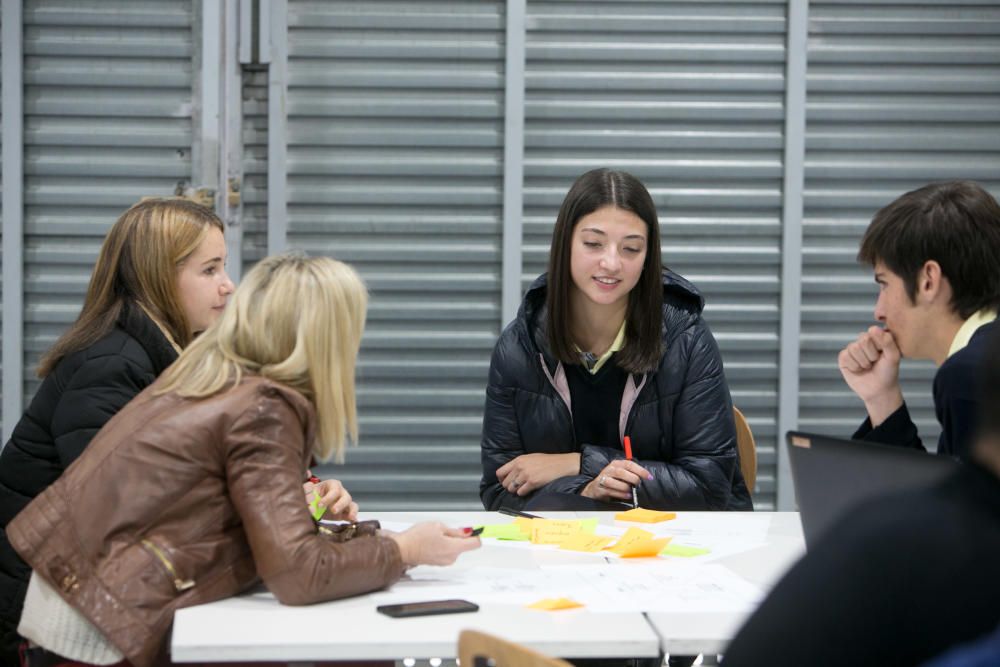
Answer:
[(314, 506)]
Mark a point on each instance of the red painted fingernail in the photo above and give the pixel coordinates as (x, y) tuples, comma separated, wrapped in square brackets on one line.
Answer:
[(467, 530)]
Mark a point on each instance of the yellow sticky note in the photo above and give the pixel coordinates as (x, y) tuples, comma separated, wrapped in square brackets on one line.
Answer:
[(553, 604), (505, 531), (555, 531), (524, 524), (640, 515), (586, 542)]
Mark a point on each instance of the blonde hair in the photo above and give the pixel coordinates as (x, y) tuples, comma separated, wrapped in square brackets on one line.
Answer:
[(138, 263), (296, 320)]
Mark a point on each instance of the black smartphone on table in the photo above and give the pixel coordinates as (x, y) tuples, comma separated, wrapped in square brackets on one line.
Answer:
[(429, 608)]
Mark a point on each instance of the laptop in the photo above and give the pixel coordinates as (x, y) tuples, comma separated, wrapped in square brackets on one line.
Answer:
[(831, 475)]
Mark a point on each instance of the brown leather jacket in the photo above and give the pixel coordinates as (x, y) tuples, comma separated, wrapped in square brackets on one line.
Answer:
[(178, 502)]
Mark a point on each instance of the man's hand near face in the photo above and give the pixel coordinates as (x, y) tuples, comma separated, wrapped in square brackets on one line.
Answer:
[(870, 366)]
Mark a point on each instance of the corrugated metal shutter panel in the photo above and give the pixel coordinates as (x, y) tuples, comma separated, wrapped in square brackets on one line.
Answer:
[(1, 260), (394, 164), (898, 95), (107, 121), (254, 187), (688, 96)]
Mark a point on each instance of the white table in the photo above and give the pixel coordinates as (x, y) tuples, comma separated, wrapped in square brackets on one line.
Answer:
[(255, 626), (687, 633)]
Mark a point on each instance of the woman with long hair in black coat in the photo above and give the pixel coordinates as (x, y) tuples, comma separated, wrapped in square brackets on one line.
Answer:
[(609, 347)]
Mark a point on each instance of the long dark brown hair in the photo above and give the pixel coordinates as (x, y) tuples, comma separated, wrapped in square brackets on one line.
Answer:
[(138, 263), (644, 315)]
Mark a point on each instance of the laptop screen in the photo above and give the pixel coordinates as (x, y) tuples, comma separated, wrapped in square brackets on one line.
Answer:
[(831, 475)]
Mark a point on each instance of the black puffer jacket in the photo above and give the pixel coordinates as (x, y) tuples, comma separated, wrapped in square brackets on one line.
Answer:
[(75, 400), (680, 422)]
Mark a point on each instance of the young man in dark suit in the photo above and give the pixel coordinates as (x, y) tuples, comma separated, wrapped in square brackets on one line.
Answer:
[(936, 256)]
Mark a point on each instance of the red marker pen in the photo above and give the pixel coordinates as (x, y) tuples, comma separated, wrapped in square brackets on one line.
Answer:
[(628, 455)]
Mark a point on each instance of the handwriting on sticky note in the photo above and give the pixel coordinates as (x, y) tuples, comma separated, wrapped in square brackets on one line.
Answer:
[(554, 531), (640, 515), (586, 542), (631, 536), (314, 506), (554, 604)]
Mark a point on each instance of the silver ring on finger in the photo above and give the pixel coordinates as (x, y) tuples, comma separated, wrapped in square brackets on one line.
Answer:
[(602, 480), (515, 484)]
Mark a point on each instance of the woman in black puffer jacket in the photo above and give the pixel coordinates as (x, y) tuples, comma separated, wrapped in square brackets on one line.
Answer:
[(159, 281), (609, 344)]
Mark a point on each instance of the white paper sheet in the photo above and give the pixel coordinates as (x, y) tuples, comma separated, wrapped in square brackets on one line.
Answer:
[(723, 533), (605, 587)]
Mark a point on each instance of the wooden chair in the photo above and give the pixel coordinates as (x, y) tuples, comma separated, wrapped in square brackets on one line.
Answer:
[(478, 649), (747, 449)]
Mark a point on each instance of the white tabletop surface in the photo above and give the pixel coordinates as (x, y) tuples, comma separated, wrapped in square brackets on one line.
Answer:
[(690, 633), (254, 626)]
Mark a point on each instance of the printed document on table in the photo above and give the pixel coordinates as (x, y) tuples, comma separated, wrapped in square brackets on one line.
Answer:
[(659, 586), (654, 586), (723, 533)]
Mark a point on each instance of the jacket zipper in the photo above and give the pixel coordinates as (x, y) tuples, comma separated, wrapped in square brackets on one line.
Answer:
[(179, 584)]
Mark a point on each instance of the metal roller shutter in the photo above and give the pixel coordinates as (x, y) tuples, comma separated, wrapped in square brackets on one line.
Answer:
[(107, 108), (1, 261), (688, 96), (899, 94), (254, 186), (395, 119)]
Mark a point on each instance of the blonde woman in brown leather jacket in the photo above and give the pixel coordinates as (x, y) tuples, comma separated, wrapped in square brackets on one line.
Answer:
[(193, 492)]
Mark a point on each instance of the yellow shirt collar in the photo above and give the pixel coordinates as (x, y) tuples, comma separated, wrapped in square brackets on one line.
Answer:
[(618, 344), (984, 316)]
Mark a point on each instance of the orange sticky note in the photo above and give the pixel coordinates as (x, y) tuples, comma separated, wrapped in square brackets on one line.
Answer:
[(586, 542), (640, 515), (554, 604), (638, 543), (644, 548), (631, 536)]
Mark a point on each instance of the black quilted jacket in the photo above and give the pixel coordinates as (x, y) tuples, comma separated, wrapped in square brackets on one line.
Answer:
[(680, 422), (83, 392)]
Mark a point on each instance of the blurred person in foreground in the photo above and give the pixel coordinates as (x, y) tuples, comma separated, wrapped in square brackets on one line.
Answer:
[(900, 579)]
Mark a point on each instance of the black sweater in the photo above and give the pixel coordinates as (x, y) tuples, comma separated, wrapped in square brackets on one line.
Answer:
[(82, 392), (896, 582)]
